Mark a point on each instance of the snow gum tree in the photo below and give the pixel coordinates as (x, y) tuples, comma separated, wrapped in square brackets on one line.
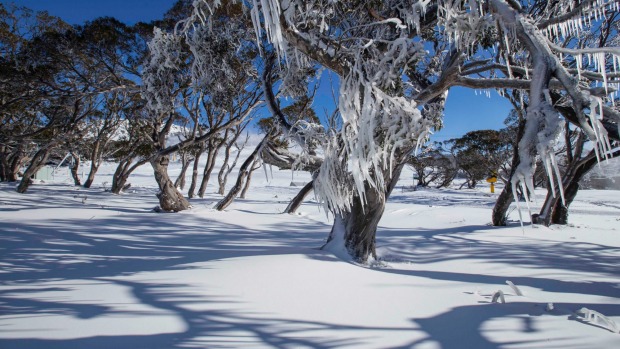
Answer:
[(480, 154), (203, 69), (396, 59)]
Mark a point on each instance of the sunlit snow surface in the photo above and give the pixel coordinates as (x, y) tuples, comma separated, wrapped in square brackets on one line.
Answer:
[(82, 268)]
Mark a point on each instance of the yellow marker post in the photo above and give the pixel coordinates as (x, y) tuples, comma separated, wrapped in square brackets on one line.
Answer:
[(492, 180)]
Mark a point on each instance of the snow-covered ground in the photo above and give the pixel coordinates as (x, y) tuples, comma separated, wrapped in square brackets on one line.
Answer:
[(82, 268)]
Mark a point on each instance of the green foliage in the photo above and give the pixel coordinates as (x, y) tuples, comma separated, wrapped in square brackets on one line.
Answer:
[(480, 154)]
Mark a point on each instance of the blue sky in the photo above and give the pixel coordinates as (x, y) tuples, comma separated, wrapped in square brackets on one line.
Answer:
[(466, 110), (78, 11)]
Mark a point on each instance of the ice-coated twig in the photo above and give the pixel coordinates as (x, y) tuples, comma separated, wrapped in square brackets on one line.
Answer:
[(593, 316), (514, 288), (498, 297)]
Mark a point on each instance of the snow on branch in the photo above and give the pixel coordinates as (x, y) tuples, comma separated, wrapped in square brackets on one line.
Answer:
[(159, 70)]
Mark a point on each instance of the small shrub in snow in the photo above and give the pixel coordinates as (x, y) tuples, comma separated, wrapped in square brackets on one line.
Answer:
[(498, 297)]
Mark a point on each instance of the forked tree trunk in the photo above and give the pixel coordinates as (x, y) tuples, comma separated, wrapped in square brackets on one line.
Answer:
[(123, 170), (299, 198), (222, 176), (170, 199), (38, 160), (75, 168)]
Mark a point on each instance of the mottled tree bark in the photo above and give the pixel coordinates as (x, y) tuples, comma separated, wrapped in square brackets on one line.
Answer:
[(170, 199)]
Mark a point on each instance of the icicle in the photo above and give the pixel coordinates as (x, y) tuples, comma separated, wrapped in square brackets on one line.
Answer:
[(554, 163), (516, 198), (602, 147)]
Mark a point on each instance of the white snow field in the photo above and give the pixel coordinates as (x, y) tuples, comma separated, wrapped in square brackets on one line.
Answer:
[(83, 268)]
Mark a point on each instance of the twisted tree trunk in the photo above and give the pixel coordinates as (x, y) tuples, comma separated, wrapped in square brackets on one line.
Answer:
[(170, 199)]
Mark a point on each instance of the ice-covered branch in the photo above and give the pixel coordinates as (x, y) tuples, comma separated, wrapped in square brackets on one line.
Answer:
[(284, 159), (574, 12)]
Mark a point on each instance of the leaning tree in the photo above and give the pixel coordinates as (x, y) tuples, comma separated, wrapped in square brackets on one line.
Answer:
[(396, 60)]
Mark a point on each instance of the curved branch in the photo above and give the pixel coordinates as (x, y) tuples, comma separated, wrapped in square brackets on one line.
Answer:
[(285, 160), (584, 51)]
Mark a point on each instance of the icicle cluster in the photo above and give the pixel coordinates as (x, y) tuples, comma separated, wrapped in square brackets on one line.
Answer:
[(587, 13), (603, 145), (463, 22), (540, 137)]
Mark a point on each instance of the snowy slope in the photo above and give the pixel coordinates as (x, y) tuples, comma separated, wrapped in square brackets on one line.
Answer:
[(88, 269)]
